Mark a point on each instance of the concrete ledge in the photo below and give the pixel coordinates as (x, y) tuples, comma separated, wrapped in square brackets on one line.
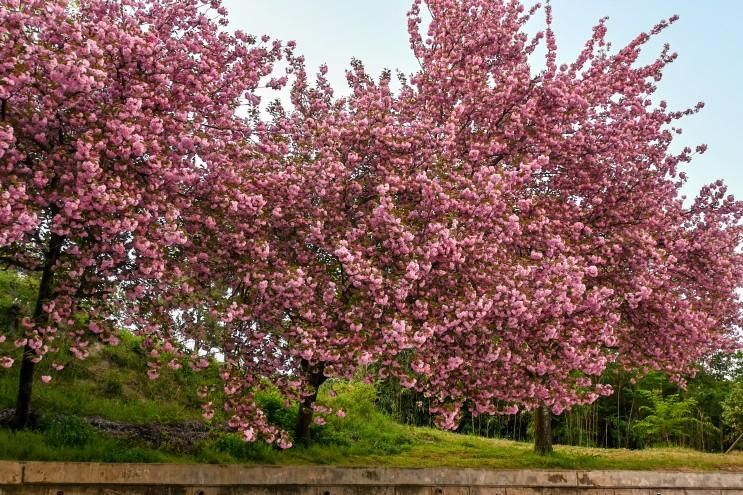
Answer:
[(652, 479), (11, 473), (358, 481), (175, 474)]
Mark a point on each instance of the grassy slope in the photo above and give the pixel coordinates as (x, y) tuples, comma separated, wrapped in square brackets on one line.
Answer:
[(113, 385)]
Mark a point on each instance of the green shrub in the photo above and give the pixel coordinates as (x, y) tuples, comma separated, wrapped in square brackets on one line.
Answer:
[(276, 411)]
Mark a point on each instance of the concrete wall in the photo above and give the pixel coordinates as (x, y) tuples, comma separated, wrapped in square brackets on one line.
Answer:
[(49, 478)]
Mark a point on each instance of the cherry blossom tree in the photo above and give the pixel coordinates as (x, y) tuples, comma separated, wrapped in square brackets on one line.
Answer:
[(111, 114), (602, 212), (491, 234)]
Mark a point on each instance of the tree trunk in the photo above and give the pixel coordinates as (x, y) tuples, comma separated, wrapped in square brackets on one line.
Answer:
[(734, 444), (26, 379), (304, 417), (542, 431), (25, 386)]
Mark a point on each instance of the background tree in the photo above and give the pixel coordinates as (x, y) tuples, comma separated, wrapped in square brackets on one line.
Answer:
[(666, 418), (610, 422), (110, 112), (733, 412)]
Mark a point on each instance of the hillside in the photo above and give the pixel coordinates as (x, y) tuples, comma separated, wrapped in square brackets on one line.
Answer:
[(105, 409)]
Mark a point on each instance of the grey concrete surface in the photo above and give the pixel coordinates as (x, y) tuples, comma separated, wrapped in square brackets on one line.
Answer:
[(53, 478)]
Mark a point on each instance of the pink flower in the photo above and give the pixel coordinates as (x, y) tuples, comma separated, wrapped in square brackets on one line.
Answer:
[(249, 435), (46, 378), (454, 363)]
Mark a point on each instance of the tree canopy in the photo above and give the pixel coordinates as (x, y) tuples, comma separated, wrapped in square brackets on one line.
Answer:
[(493, 234)]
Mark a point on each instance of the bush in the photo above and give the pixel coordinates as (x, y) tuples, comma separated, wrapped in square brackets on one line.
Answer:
[(276, 411)]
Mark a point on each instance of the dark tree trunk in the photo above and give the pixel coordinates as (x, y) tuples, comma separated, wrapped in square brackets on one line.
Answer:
[(26, 379), (304, 417), (542, 431), (25, 386)]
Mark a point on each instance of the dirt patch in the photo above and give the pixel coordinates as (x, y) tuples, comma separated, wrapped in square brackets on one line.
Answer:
[(179, 436)]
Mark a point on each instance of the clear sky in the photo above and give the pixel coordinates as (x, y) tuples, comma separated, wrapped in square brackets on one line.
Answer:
[(708, 39)]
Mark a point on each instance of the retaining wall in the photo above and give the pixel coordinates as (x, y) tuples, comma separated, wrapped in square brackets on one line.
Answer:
[(49, 478)]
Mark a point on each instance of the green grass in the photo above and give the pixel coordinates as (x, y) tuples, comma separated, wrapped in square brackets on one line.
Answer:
[(112, 384), (39, 446)]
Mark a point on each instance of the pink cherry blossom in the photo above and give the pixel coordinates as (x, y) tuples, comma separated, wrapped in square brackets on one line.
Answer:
[(250, 436), (111, 115)]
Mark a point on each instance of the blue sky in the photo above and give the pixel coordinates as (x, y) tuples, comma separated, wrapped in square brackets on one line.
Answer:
[(708, 39)]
